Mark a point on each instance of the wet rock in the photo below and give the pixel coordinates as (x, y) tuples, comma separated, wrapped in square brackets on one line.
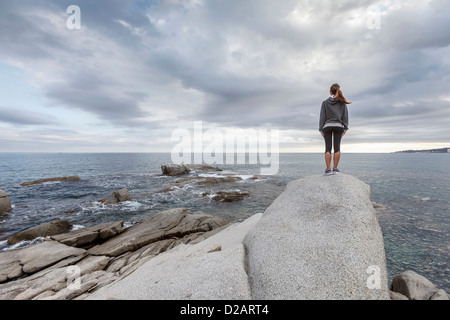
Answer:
[(209, 180), (215, 180), (5, 202), (228, 196), (174, 169), (43, 230), (180, 169), (70, 178), (117, 196), (202, 167)]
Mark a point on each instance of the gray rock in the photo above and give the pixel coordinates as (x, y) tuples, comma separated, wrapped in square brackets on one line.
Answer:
[(174, 169), (440, 295), (40, 272), (215, 180), (212, 269), (43, 230), (202, 167), (166, 224), (90, 235), (228, 196), (27, 260), (209, 180), (320, 239), (413, 286), (5, 202), (117, 196), (70, 178), (397, 296)]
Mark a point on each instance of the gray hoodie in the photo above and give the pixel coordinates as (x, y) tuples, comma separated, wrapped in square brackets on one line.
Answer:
[(333, 112)]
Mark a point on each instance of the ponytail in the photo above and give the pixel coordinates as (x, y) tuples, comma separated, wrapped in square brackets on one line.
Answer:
[(336, 91)]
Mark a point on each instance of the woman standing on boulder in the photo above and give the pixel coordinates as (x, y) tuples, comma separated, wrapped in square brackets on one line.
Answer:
[(333, 125)]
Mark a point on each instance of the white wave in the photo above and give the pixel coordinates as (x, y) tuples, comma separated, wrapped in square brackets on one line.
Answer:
[(77, 227), (51, 182), (128, 224), (211, 175), (23, 243), (245, 176)]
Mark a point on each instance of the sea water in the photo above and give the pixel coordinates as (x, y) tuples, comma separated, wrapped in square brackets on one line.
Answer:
[(411, 191)]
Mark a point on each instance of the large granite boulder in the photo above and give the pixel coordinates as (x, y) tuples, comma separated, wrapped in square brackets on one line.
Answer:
[(5, 202), (40, 181), (43, 230), (320, 239)]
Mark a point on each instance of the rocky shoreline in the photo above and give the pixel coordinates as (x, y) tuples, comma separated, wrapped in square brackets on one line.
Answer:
[(100, 254), (99, 262)]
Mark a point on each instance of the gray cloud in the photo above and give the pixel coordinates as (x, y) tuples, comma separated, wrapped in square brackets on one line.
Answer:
[(25, 117), (149, 64)]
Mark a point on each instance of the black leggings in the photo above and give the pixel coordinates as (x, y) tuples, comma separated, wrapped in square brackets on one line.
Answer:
[(329, 132)]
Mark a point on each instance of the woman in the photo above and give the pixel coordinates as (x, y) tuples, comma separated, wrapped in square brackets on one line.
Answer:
[(333, 124)]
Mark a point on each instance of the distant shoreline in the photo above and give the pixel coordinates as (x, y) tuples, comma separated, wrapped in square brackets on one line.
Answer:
[(440, 150)]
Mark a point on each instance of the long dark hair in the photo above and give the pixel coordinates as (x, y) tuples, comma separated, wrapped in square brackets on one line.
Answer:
[(337, 93)]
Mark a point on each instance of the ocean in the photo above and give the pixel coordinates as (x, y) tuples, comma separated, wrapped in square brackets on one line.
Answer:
[(411, 191)]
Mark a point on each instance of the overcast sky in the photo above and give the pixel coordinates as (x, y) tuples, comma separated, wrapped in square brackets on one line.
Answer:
[(138, 70)]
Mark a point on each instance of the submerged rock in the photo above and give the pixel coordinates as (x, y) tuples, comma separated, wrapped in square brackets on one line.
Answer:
[(5, 202), (209, 180), (43, 230), (202, 167), (70, 178), (228, 196)]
